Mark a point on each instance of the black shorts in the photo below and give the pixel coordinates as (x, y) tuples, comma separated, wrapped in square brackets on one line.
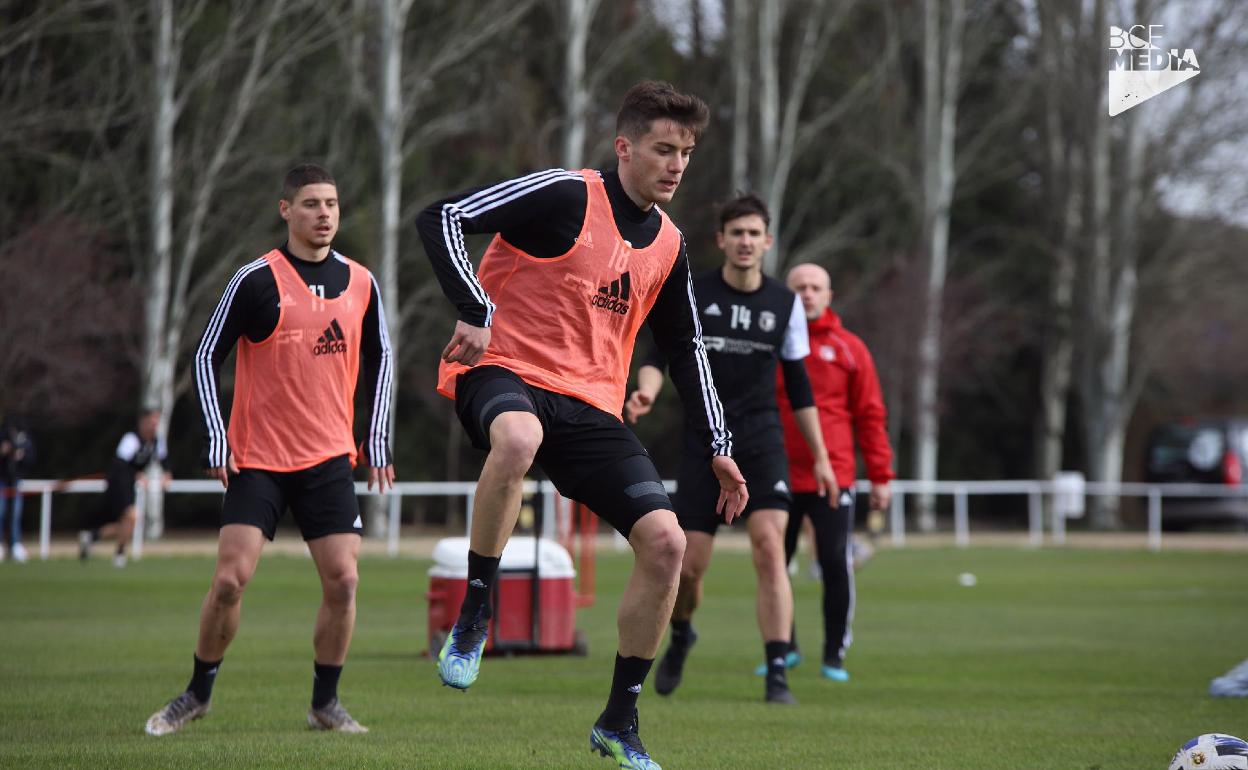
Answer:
[(589, 455), (766, 472), (321, 498), (118, 496)]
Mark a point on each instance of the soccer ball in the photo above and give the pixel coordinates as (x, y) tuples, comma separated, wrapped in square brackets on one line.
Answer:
[(1213, 751)]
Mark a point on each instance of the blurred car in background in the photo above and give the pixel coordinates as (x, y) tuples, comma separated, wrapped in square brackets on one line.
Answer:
[(1212, 451)]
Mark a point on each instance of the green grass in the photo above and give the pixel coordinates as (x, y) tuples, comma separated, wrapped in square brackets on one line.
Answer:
[(1060, 659)]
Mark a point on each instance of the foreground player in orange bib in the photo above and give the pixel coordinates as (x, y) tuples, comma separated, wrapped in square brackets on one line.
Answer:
[(304, 318), (539, 360)]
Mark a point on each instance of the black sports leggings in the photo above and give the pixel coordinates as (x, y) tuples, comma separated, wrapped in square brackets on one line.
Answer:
[(833, 529)]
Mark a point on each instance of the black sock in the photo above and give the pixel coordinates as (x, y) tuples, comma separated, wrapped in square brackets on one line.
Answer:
[(121, 548), (203, 677), (482, 571), (681, 630), (630, 674), (775, 652), (324, 684)]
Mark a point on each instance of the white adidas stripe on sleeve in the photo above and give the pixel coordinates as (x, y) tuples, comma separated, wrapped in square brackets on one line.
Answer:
[(721, 438), (205, 376), (383, 395), (479, 203)]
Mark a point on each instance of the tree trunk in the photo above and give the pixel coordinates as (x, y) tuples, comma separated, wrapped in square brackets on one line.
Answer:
[(768, 93), (157, 371), (167, 306), (1110, 305), (391, 127), (579, 16), (742, 85), (1065, 198), (780, 110), (1058, 353), (940, 101), (1112, 366)]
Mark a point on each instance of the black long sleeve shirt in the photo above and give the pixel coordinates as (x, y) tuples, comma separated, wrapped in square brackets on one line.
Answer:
[(542, 214), (250, 306), (747, 335)]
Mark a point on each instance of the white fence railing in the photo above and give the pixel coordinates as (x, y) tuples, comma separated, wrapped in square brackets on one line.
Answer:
[(961, 491)]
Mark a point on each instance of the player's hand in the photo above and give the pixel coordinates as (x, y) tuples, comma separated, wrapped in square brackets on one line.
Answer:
[(638, 404), (223, 474), (881, 496), (825, 479), (732, 492), (382, 477), (468, 343)]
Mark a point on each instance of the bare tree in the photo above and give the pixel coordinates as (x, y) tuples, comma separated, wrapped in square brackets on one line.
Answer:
[(397, 109), (942, 72), (785, 129), (205, 151), (742, 84), (391, 24), (579, 15), (581, 75), (1127, 160), (1062, 28)]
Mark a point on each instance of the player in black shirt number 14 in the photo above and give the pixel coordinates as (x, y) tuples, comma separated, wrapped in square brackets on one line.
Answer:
[(749, 323)]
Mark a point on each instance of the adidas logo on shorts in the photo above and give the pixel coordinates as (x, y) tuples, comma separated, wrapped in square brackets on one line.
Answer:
[(332, 340)]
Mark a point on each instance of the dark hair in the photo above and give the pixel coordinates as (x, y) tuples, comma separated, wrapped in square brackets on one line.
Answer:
[(302, 175), (743, 206), (652, 100)]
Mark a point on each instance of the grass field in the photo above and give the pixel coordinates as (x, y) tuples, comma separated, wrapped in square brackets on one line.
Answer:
[(1057, 659)]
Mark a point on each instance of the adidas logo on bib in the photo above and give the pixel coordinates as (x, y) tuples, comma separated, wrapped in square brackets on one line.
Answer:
[(613, 297), (332, 340)]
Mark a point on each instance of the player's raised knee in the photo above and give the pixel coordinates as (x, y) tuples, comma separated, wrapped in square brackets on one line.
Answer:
[(515, 438), (663, 544)]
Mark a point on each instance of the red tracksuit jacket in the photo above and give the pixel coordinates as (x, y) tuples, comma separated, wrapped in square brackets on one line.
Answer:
[(847, 393)]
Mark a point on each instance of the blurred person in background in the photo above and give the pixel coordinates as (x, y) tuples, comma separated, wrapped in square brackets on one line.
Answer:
[(17, 455), (851, 409), (753, 327), (117, 513)]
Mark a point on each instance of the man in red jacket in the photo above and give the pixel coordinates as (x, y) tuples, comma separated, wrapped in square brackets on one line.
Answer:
[(847, 394)]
